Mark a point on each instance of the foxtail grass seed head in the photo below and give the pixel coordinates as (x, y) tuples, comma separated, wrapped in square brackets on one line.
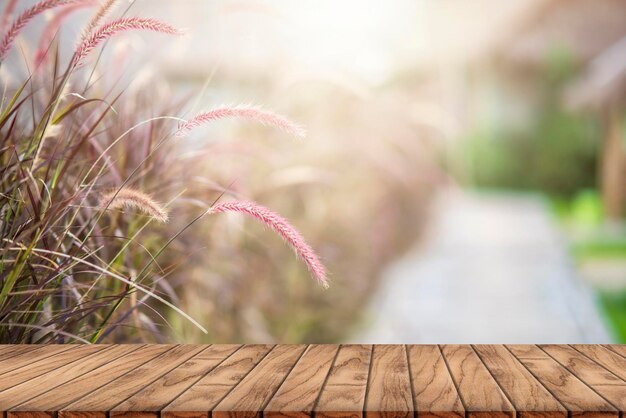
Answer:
[(134, 199), (22, 20), (114, 27), (264, 117), (282, 228), (105, 8)]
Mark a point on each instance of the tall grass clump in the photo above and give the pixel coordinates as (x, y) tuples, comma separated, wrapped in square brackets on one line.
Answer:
[(95, 208)]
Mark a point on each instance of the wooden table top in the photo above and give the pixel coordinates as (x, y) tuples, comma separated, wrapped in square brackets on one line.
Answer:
[(447, 381)]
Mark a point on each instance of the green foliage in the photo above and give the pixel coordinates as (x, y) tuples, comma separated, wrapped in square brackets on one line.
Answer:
[(587, 208), (557, 155), (584, 209), (614, 308), (556, 152)]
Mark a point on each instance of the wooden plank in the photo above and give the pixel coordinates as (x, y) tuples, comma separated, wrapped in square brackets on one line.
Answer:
[(297, 395), (389, 384), (30, 357), (250, 396), (617, 348), (603, 382), (573, 394), (529, 397), (23, 374), (207, 392), (481, 394), (607, 358), (56, 399), (343, 394), (115, 392), (164, 390), (434, 393), (18, 394), (11, 350)]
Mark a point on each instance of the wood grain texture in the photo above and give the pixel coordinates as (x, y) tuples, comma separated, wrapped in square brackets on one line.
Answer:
[(34, 414), (38, 368), (82, 414), (8, 351), (25, 391), (255, 390), (573, 394), (164, 390), (480, 393), (389, 384), (529, 397), (605, 357), (604, 383), (321, 381), (619, 349), (28, 357), (61, 396), (297, 395), (24, 383), (120, 389), (343, 394), (207, 392), (434, 393)]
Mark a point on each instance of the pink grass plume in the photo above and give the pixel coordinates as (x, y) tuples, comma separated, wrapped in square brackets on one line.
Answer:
[(114, 27), (282, 228), (105, 8), (264, 117), (22, 20)]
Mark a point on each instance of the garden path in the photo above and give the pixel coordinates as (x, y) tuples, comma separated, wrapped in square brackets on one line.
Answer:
[(492, 269)]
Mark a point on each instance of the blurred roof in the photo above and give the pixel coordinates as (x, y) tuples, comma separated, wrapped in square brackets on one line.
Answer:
[(585, 28), (603, 81)]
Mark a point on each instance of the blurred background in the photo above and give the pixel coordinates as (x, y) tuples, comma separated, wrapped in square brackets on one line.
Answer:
[(463, 176)]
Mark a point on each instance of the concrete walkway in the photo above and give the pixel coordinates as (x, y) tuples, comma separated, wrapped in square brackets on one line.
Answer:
[(493, 269)]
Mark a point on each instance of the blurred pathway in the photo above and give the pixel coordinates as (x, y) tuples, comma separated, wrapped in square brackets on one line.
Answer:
[(493, 270)]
